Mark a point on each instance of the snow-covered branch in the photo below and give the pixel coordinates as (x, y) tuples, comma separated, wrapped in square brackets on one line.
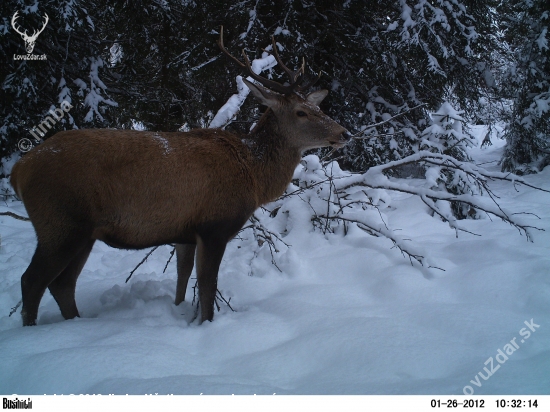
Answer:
[(230, 109), (325, 198), (433, 196)]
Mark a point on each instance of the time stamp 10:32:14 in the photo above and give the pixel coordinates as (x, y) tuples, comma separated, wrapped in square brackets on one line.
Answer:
[(480, 403)]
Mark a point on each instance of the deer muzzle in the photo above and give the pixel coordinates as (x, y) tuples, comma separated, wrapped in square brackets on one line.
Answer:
[(343, 140)]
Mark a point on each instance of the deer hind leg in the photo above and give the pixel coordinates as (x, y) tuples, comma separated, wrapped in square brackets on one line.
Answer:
[(210, 251), (63, 286), (185, 255), (48, 262)]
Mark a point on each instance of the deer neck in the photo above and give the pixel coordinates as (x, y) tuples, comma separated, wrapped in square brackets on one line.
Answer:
[(274, 158)]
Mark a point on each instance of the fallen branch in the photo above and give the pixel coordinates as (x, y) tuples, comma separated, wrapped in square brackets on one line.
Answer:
[(380, 231), (10, 214), (374, 178)]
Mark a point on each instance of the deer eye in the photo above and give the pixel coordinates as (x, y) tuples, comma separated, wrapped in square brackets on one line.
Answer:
[(301, 113)]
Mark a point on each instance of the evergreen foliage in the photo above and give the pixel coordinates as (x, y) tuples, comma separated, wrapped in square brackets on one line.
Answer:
[(528, 84), (156, 65)]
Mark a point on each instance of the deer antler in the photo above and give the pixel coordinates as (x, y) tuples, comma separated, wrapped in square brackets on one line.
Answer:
[(36, 33), (296, 77), (15, 17), (25, 35)]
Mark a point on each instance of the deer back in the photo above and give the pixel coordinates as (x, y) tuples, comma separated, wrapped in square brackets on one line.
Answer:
[(146, 186)]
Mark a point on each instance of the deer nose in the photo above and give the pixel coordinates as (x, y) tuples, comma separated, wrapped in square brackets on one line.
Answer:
[(346, 136)]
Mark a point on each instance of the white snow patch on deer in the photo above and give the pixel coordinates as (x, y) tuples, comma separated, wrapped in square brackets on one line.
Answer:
[(163, 142), (340, 314)]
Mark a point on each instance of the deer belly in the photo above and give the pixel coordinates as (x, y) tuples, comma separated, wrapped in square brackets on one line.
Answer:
[(140, 235)]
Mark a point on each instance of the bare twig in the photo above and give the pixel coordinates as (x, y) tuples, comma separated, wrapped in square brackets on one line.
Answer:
[(14, 309), (381, 232), (141, 263), (219, 296), (264, 235), (170, 258), (10, 214), (372, 126), (371, 136), (310, 186)]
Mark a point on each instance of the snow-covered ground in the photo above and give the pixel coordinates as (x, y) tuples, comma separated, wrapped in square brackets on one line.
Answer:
[(347, 315)]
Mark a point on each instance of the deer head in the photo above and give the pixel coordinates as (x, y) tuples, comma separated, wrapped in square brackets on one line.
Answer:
[(29, 40), (297, 116)]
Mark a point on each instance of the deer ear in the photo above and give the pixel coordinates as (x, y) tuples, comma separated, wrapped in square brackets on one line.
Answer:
[(263, 95), (317, 97)]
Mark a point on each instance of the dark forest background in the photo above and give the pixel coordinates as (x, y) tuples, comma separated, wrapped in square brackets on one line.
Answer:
[(156, 64)]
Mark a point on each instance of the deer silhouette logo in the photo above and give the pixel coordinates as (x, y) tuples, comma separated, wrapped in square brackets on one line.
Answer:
[(29, 40)]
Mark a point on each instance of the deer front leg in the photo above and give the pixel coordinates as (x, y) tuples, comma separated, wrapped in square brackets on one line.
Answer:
[(209, 256), (185, 256)]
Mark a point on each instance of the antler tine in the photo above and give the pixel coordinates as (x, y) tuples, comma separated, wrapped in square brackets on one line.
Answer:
[(247, 68), (43, 26), (310, 84), (15, 17), (292, 74), (224, 50), (303, 68)]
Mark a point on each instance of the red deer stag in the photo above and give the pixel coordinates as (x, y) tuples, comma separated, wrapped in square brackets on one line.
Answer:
[(138, 189)]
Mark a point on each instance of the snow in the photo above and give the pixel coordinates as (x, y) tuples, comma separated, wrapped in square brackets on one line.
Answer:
[(344, 315), (542, 105), (392, 26), (542, 42), (229, 110), (433, 64), (94, 97), (162, 142), (433, 174), (252, 14), (446, 110)]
